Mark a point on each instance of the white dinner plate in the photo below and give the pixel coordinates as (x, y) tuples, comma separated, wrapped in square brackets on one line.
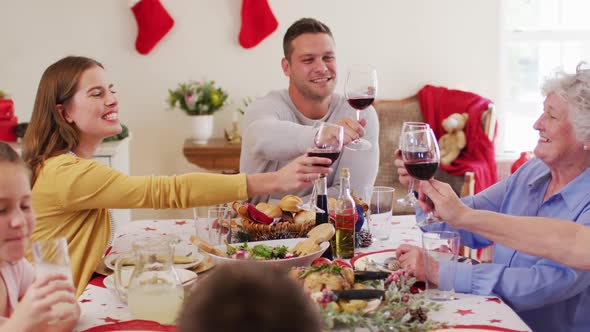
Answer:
[(109, 260), (362, 261)]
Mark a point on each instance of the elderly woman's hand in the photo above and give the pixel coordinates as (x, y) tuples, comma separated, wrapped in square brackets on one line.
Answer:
[(301, 172), (442, 200), (402, 173), (412, 258)]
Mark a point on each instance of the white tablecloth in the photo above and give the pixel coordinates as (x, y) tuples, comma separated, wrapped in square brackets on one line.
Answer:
[(101, 306)]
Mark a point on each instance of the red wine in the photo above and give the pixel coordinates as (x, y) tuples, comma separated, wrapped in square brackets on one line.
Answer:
[(330, 154), (422, 170), (360, 103)]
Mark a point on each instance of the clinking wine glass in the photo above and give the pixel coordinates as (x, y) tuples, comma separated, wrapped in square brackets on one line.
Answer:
[(360, 91), (409, 199), (327, 144), (421, 157)]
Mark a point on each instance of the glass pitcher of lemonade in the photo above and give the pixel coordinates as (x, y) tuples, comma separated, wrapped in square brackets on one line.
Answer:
[(154, 291)]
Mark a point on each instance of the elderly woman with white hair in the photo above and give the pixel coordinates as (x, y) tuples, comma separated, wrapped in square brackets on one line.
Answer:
[(549, 190)]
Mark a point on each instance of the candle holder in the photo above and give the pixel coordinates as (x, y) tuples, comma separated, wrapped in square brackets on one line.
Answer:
[(233, 136)]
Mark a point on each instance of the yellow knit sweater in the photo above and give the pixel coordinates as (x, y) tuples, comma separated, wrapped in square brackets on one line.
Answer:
[(71, 198)]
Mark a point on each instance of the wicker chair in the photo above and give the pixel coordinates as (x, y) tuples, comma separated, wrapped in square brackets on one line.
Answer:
[(392, 114)]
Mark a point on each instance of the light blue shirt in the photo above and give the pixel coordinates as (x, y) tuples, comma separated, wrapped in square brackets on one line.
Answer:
[(548, 296)]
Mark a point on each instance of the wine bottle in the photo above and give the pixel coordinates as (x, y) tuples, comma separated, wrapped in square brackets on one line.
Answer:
[(345, 218), (322, 203)]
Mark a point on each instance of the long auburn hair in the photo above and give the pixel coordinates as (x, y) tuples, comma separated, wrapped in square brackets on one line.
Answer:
[(48, 133)]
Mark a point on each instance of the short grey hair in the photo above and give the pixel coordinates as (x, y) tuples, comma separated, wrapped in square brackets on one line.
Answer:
[(574, 89)]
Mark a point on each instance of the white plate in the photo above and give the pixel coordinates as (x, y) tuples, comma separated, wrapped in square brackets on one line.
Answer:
[(285, 263), (109, 281), (361, 261), (109, 260)]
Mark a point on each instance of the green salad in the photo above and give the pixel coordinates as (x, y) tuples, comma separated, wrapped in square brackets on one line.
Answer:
[(258, 252)]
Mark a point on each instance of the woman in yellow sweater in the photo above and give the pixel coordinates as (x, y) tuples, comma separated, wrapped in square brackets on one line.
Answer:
[(75, 109)]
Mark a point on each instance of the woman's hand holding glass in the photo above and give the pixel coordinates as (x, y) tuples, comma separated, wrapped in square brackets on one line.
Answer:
[(301, 172), (442, 201)]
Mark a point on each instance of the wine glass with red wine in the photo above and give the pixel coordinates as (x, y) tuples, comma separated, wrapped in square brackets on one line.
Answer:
[(409, 199), (360, 91), (421, 157), (327, 143)]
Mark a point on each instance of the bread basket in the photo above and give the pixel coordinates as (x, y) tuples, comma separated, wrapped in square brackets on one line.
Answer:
[(261, 232)]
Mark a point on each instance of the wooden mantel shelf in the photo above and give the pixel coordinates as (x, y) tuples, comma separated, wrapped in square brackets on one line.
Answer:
[(216, 154)]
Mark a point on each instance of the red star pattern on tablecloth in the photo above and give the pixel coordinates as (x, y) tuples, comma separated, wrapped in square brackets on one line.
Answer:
[(110, 320), (465, 312), (408, 240), (395, 222), (149, 229), (495, 321), (493, 299), (180, 223), (85, 300)]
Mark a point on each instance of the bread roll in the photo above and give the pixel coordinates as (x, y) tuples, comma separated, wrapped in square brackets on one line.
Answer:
[(270, 210), (304, 216), (289, 203)]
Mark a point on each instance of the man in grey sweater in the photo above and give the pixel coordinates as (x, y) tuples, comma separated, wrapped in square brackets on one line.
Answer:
[(281, 126)]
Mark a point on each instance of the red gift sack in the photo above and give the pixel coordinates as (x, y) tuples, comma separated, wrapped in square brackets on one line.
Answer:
[(6, 132), (6, 109)]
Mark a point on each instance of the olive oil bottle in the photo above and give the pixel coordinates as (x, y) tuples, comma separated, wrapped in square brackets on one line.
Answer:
[(345, 218)]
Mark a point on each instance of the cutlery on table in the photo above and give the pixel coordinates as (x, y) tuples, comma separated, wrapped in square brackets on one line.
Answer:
[(358, 294), (370, 275)]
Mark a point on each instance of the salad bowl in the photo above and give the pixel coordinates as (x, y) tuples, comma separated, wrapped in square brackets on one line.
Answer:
[(252, 258)]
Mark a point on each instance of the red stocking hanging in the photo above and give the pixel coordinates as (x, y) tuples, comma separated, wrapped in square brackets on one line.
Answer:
[(258, 22), (153, 23)]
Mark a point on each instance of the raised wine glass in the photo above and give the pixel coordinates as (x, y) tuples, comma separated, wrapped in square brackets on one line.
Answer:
[(327, 143), (409, 199), (421, 157), (360, 91)]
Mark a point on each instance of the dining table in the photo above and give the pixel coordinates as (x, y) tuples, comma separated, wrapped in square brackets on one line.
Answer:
[(102, 309)]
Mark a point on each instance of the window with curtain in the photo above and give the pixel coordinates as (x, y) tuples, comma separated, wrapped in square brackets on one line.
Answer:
[(539, 36)]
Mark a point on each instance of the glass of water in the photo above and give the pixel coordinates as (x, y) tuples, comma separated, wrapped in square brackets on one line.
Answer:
[(381, 205)]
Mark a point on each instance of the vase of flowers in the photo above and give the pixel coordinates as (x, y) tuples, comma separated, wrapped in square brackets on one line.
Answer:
[(200, 100)]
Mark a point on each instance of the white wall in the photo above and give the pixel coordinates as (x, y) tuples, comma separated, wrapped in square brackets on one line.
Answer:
[(412, 43)]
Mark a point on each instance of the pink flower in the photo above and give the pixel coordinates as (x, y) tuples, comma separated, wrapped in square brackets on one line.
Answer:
[(190, 99)]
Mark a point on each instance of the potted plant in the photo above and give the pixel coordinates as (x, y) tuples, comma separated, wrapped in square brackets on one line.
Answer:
[(200, 100)]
